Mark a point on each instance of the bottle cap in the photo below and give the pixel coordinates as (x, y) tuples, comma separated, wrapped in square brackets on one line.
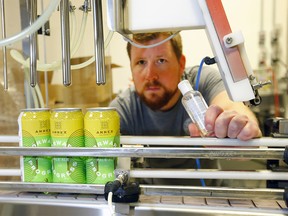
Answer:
[(185, 86)]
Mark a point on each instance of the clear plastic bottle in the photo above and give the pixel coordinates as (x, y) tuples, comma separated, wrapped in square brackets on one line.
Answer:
[(195, 106)]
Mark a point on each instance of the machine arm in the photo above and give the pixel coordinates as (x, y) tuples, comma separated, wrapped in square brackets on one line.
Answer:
[(132, 16)]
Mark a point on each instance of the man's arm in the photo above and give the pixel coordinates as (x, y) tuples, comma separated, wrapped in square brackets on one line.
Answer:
[(230, 119)]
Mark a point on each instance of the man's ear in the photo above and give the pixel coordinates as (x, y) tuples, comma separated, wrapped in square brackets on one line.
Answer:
[(182, 63)]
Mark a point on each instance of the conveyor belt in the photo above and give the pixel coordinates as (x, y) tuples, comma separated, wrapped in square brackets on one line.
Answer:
[(148, 205)]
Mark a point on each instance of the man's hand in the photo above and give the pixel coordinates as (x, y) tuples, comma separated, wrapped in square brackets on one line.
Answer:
[(228, 123)]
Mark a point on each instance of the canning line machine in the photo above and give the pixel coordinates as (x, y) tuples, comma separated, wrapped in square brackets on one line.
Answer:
[(145, 199), (131, 198)]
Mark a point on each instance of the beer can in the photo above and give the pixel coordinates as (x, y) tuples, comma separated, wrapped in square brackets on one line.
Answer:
[(34, 131), (102, 130), (67, 132), (67, 127)]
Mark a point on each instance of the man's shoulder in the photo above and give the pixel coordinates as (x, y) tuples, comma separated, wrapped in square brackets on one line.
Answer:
[(127, 93), (126, 97), (190, 73)]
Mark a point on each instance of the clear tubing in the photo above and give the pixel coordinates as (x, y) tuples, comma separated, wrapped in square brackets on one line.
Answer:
[(126, 38), (73, 28), (45, 60), (40, 67), (39, 96), (92, 59), (81, 34), (56, 64), (34, 27)]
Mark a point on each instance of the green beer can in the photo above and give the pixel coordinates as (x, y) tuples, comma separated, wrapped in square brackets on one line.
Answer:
[(67, 132), (34, 131), (101, 130)]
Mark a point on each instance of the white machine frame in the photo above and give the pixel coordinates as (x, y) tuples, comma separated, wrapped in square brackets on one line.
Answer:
[(134, 16)]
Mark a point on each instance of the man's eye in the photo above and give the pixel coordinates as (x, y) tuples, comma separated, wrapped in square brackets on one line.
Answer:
[(161, 61), (141, 62)]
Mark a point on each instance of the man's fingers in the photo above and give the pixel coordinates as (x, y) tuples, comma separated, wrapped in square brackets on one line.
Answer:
[(194, 132), (211, 115)]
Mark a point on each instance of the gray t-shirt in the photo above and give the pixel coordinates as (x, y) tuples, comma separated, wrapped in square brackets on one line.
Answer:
[(138, 119)]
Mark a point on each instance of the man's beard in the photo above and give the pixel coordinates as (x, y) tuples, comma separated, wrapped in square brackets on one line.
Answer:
[(158, 101)]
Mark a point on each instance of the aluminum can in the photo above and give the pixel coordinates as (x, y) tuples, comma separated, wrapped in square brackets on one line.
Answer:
[(34, 131), (101, 130), (67, 132), (102, 127), (67, 127)]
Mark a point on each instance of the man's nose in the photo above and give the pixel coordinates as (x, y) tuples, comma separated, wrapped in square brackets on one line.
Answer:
[(151, 72)]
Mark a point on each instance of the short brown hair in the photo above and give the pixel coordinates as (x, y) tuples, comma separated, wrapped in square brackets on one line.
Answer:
[(176, 41)]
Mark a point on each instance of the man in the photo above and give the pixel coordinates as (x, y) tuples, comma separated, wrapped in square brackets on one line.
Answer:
[(153, 105)]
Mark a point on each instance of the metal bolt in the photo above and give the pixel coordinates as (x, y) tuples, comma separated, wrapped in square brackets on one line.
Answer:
[(229, 40)]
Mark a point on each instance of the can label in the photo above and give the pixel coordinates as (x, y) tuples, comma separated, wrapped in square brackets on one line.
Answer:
[(34, 131), (37, 169), (102, 130), (67, 128), (35, 128), (67, 131), (99, 170), (69, 170)]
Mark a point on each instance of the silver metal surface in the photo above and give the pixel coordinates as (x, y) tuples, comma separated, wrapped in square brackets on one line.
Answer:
[(99, 42), (215, 192), (32, 204), (199, 141), (65, 42), (33, 44), (149, 190), (180, 210), (57, 204), (185, 141), (3, 24), (207, 174), (159, 152), (52, 188)]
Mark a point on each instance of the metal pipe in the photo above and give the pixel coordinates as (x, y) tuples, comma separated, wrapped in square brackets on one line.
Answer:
[(65, 42), (199, 174), (33, 45), (5, 75), (211, 153), (99, 42), (197, 141), (150, 190), (46, 187), (184, 141)]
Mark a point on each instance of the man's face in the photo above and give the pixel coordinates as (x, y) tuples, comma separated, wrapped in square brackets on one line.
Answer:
[(156, 73)]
